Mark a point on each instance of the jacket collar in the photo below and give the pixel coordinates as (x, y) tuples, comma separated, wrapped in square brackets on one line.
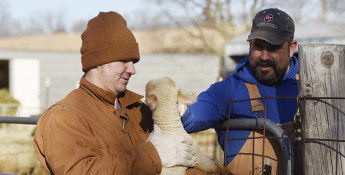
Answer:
[(125, 99)]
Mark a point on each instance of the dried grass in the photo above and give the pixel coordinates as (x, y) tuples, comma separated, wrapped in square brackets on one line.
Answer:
[(158, 41), (57, 42)]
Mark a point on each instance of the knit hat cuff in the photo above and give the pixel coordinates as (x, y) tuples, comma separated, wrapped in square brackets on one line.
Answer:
[(110, 54)]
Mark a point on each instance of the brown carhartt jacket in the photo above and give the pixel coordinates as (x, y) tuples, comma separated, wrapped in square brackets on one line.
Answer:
[(82, 134)]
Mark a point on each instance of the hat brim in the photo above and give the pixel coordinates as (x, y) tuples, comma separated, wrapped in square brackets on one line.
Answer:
[(271, 37)]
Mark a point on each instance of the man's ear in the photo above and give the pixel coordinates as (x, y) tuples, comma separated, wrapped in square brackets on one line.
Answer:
[(293, 47), (151, 100), (186, 97)]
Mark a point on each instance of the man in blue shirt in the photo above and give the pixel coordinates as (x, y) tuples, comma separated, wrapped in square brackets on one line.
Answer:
[(268, 71)]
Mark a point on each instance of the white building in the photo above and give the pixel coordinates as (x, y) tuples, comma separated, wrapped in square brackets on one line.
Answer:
[(39, 79)]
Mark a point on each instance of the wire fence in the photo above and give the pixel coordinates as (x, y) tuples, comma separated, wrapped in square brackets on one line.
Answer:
[(17, 154), (208, 141), (25, 162), (298, 138), (208, 144)]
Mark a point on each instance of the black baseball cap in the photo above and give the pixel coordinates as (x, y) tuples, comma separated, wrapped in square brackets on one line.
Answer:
[(273, 26)]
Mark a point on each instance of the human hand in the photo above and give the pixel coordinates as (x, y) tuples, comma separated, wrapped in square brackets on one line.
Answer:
[(174, 150), (184, 99), (182, 107)]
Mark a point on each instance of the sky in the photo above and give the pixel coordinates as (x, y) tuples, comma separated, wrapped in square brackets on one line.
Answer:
[(76, 10), (73, 10)]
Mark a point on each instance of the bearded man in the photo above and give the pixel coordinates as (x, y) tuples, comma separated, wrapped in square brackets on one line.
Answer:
[(268, 71)]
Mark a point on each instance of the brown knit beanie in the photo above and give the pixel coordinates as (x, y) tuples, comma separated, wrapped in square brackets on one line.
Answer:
[(107, 39)]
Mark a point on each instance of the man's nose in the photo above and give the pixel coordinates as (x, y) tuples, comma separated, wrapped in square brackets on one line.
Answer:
[(130, 68), (265, 55)]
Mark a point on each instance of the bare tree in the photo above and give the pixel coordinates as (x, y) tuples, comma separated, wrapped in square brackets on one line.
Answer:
[(299, 10), (142, 20), (5, 20), (79, 26), (55, 22), (334, 9), (45, 23), (323, 11), (226, 17)]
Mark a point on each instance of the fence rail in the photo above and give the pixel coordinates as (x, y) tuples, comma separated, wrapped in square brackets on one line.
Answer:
[(19, 120)]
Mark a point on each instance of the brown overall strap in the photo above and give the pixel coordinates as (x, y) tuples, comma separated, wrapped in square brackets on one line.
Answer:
[(253, 90)]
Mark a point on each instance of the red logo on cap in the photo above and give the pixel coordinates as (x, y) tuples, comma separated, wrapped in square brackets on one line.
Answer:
[(268, 18)]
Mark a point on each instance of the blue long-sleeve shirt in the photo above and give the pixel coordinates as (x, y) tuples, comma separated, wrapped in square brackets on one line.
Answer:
[(212, 106)]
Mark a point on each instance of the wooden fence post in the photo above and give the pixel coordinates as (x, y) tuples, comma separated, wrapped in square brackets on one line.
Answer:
[(322, 74)]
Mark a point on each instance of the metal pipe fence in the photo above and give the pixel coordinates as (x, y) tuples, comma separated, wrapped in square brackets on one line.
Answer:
[(22, 159), (19, 120), (296, 155)]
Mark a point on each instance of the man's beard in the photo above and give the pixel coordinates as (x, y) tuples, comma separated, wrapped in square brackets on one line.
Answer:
[(263, 77)]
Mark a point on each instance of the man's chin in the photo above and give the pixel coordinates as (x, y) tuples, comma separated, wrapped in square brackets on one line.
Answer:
[(264, 74), (269, 77), (121, 90), (265, 78)]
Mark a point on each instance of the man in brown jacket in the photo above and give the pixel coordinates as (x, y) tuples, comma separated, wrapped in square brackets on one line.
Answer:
[(101, 127)]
